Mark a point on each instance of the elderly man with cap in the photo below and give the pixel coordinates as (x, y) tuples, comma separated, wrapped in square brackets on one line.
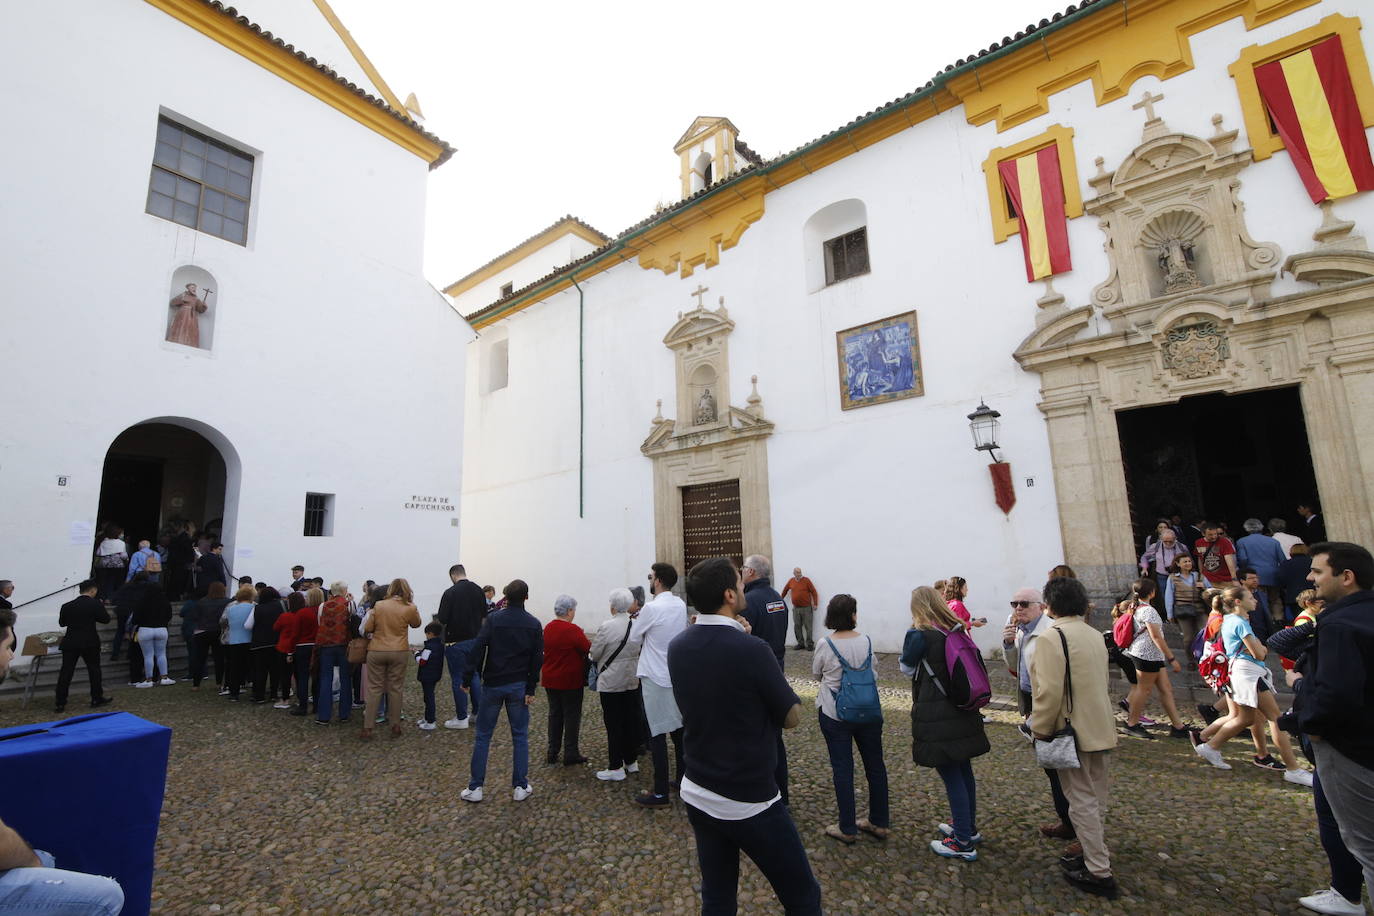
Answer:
[(1025, 625)]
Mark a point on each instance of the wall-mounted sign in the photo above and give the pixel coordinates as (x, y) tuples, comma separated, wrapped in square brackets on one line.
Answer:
[(61, 480), (431, 504)]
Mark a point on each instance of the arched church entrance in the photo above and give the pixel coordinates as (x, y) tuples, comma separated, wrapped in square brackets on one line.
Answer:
[(166, 471), (1225, 456)]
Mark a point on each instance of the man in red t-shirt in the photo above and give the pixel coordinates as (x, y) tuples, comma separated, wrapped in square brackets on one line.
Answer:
[(1216, 556), (804, 601)]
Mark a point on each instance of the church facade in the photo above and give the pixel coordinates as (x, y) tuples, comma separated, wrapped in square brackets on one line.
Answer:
[(1137, 235), (214, 303)]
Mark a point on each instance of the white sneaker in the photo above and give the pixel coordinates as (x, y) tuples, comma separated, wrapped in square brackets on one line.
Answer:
[(426, 726), (631, 768), (457, 723), (611, 775), (144, 684), (1212, 756), (224, 691), (947, 830), (520, 793), (471, 795), (282, 705), (1298, 777), (167, 682), (1331, 901)]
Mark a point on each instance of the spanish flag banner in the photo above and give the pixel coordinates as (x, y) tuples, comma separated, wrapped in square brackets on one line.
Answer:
[(1313, 104), (1037, 191)]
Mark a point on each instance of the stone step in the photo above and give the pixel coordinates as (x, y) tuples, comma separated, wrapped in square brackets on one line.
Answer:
[(115, 674)]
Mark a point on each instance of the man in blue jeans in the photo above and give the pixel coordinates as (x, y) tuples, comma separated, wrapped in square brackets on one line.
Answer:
[(509, 651), (732, 796), (462, 608), (28, 881)]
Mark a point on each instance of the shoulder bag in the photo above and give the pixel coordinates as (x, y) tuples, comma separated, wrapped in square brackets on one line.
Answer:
[(1061, 751)]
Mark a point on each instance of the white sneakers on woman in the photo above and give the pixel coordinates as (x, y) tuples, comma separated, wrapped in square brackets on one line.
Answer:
[(1331, 901), (1212, 756), (167, 682), (616, 775), (1298, 777), (142, 684)]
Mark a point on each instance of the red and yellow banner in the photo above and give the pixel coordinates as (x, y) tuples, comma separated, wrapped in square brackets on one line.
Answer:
[(1313, 104), (1037, 190)]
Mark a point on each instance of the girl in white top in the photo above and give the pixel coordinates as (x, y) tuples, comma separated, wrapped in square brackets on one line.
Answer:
[(841, 615), (1150, 653)]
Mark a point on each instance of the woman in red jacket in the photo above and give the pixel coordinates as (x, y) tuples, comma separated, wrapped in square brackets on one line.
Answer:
[(564, 675), (285, 625)]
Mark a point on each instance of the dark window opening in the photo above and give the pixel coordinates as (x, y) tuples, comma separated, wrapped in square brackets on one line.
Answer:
[(318, 520), (507, 289), (846, 256)]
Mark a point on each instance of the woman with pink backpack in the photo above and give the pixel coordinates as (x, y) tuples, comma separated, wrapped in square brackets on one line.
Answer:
[(1139, 632), (949, 688)]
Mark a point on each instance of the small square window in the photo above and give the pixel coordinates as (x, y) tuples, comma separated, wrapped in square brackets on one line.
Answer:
[(319, 515), (199, 182), (846, 256), (507, 289)]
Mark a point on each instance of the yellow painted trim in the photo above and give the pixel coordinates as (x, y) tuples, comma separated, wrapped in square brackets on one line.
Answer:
[(242, 40), (337, 25), (1263, 141), (1014, 89), (697, 236), (558, 230), (1004, 224)]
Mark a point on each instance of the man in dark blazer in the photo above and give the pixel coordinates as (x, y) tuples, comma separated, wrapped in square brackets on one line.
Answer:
[(81, 641), (6, 589)]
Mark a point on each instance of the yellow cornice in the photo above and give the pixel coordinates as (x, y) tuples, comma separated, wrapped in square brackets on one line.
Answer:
[(353, 48), (697, 235), (526, 248), (243, 40), (1105, 49), (1263, 140)]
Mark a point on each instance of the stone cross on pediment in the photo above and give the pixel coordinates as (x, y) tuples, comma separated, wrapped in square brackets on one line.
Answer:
[(699, 292), (1154, 124)]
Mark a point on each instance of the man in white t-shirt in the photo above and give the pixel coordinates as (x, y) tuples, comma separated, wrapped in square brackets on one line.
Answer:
[(1278, 529), (661, 619)]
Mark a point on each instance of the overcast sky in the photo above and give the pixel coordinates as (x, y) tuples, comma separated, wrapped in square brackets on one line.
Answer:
[(558, 107)]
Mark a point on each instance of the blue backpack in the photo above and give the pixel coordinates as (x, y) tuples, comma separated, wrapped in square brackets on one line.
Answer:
[(857, 699)]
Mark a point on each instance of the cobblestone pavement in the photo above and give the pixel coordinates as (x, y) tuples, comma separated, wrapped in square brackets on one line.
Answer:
[(269, 813)]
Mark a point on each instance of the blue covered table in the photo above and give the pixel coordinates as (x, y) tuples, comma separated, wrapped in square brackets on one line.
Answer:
[(89, 790)]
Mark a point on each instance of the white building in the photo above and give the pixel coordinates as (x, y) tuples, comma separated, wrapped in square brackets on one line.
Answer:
[(1199, 304), (317, 419)]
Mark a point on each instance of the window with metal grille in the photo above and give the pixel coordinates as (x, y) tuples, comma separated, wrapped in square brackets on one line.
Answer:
[(711, 523), (319, 521), (507, 289), (200, 182), (846, 256)]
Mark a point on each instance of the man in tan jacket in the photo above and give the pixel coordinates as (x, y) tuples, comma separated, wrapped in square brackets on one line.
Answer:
[(1077, 691)]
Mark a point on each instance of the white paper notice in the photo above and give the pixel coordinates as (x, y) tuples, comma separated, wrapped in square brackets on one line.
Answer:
[(244, 553), (82, 533)]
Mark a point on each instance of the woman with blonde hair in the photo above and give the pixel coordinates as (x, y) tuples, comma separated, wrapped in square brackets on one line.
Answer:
[(387, 653), (1252, 690), (943, 736)]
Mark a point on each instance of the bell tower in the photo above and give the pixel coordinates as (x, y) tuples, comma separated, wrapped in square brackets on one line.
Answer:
[(710, 150)]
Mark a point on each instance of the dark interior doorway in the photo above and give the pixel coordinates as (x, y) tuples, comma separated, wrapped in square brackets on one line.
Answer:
[(1228, 456), (158, 473)]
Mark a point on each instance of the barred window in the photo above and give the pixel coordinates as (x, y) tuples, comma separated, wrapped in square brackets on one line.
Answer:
[(200, 182), (846, 256), (319, 520)]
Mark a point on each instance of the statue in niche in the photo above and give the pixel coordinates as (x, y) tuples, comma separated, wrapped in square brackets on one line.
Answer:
[(706, 408), (187, 309), (1176, 260)]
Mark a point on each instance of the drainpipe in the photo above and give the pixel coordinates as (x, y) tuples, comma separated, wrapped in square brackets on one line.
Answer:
[(581, 400)]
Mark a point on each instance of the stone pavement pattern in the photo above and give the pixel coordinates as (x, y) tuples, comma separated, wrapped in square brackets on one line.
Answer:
[(269, 813)]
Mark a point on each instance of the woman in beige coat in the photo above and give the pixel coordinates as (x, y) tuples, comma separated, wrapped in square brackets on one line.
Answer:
[(387, 653)]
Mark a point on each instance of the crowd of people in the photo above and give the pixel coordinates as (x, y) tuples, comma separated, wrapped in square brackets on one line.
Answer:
[(663, 671)]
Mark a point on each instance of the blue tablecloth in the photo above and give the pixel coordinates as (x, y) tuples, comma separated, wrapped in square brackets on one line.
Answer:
[(89, 790)]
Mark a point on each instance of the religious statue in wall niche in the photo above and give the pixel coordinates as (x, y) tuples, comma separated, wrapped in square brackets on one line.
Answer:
[(706, 408), (187, 308), (1176, 260)]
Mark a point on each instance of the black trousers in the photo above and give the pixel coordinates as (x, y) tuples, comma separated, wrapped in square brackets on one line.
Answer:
[(658, 750), (620, 711), (1061, 802), (268, 667), (236, 658), (565, 722), (771, 840), (91, 656)]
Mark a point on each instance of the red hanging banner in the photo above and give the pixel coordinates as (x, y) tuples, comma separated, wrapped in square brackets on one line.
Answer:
[(1003, 491)]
